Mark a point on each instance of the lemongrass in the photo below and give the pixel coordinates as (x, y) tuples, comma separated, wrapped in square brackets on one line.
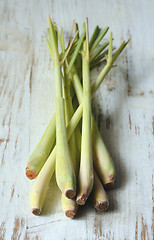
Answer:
[(42, 150), (46, 143), (39, 189), (37, 159), (69, 111), (65, 175), (42, 181), (69, 206), (86, 163), (98, 196)]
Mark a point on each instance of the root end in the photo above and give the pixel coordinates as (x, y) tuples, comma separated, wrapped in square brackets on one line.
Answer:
[(36, 211), (70, 193), (101, 205), (30, 174), (70, 213), (81, 199)]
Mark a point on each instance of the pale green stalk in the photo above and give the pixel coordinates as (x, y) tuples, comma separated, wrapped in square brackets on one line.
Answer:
[(69, 111), (65, 175), (69, 206), (98, 196), (42, 150), (86, 163)]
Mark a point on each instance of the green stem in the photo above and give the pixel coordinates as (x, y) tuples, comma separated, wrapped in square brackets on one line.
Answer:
[(69, 111), (86, 163), (65, 175), (42, 150), (69, 206), (99, 197)]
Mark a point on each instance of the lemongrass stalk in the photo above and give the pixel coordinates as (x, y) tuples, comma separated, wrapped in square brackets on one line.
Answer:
[(98, 196), (42, 181), (86, 163), (69, 206), (39, 189), (69, 111), (98, 39), (42, 150), (65, 175)]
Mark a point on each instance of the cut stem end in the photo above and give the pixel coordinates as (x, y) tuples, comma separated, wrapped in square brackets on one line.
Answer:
[(36, 211), (81, 199), (70, 193), (30, 174), (101, 205), (70, 213)]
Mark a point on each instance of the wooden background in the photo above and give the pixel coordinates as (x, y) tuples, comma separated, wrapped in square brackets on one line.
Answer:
[(124, 109)]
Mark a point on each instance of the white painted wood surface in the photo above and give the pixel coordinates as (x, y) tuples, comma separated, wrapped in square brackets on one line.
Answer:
[(124, 109)]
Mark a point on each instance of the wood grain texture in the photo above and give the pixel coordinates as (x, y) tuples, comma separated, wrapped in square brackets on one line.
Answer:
[(123, 107)]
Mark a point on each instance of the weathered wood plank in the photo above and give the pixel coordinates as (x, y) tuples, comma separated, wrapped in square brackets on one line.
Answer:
[(123, 107)]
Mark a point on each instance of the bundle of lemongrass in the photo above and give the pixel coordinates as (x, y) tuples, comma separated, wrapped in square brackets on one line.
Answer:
[(78, 147)]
